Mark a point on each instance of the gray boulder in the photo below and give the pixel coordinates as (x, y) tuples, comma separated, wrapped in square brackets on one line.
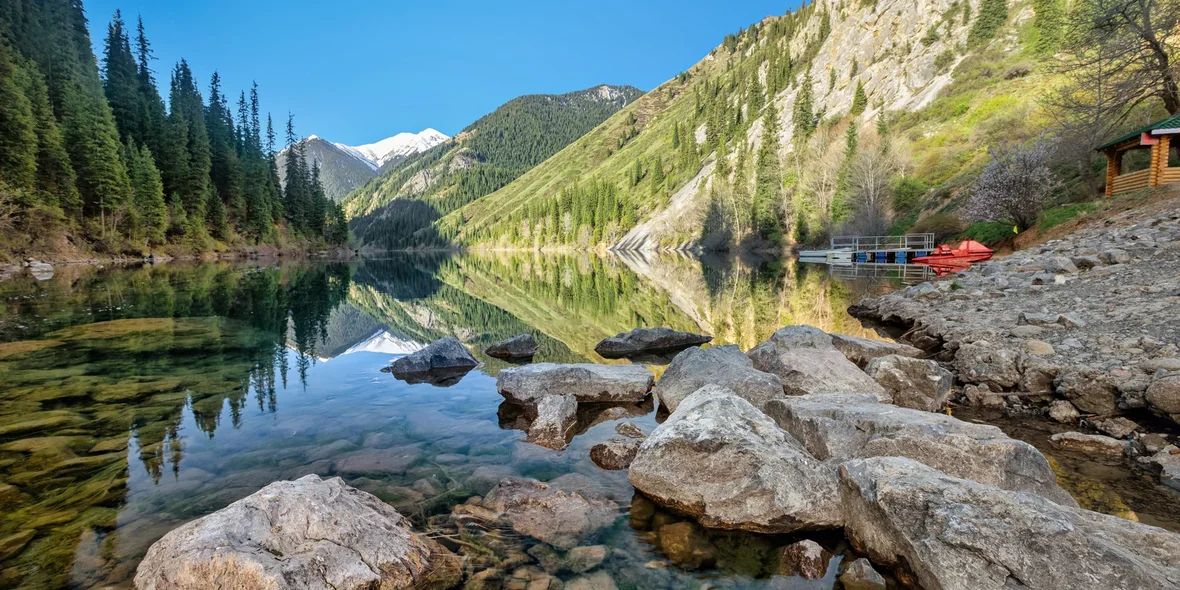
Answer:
[(837, 428), (724, 462), (307, 533), (586, 382), (863, 350), (860, 575), (725, 366), (516, 347), (1163, 394), (806, 361), (648, 340), (556, 417), (1095, 444), (614, 453), (956, 534), (914, 383), (562, 519), (982, 362), (806, 559), (442, 354)]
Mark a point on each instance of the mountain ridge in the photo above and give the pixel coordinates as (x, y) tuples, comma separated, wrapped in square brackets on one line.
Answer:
[(343, 168)]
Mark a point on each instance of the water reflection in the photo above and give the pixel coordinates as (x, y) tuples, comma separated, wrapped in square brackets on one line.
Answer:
[(135, 399)]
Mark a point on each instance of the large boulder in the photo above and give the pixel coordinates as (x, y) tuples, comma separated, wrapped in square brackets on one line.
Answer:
[(442, 362), (1164, 394), (837, 428), (721, 460), (806, 361), (586, 382), (954, 534), (307, 533), (648, 340), (517, 347), (725, 366), (614, 453), (914, 383), (560, 518), (863, 350)]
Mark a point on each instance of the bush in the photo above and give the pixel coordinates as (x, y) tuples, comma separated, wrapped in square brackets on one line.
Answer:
[(942, 225), (907, 192)]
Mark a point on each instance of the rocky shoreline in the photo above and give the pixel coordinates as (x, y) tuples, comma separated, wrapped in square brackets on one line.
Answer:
[(807, 434), (1081, 329)]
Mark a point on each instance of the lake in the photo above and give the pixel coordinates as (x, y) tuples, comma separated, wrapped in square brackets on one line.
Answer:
[(135, 399)]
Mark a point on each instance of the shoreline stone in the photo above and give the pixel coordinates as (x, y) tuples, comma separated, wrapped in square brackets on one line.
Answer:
[(587, 383), (806, 361), (648, 341), (724, 366), (523, 346)]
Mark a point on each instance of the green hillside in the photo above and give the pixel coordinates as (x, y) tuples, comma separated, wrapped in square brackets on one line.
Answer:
[(397, 209)]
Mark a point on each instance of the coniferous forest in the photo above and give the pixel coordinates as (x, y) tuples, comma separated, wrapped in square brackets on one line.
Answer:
[(92, 158)]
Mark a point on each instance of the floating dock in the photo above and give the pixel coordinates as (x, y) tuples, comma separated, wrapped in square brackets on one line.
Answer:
[(874, 249)]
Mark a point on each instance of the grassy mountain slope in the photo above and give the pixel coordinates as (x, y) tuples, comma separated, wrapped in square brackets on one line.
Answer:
[(937, 85), (389, 210), (340, 173)]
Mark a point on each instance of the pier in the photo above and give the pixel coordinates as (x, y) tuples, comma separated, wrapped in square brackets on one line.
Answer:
[(874, 249)]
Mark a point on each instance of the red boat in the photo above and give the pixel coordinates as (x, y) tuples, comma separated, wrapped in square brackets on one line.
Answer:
[(960, 257)]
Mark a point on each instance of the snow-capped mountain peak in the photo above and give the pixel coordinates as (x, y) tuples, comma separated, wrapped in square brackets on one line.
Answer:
[(401, 145)]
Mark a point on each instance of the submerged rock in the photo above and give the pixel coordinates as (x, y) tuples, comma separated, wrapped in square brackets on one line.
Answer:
[(863, 350), (614, 453), (721, 460), (517, 347), (560, 518), (586, 382), (957, 534), (913, 383), (307, 533), (443, 361), (842, 427), (724, 366), (648, 340), (806, 361), (1090, 443)]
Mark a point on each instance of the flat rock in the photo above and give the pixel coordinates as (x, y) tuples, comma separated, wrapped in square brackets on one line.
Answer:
[(1117, 427), (956, 534), (913, 383), (629, 430), (863, 350), (806, 559), (842, 427), (1089, 443), (725, 366), (517, 347), (374, 461), (442, 354), (724, 462), (586, 382), (614, 453), (560, 518), (648, 340), (806, 361), (307, 533)]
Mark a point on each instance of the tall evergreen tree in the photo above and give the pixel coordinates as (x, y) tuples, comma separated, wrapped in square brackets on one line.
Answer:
[(803, 117), (768, 183), (120, 77)]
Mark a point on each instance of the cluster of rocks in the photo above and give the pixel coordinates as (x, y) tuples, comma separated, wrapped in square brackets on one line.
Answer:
[(941, 502), (1080, 329)]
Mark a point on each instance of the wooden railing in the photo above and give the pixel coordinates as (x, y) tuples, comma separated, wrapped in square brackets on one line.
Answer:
[(1170, 175), (1133, 180)]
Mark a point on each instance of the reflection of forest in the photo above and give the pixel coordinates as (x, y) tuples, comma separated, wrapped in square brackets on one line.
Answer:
[(141, 345)]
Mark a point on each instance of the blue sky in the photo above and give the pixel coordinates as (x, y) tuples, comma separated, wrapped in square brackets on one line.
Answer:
[(356, 71)]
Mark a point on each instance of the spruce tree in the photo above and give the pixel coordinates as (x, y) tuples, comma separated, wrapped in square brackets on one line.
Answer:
[(18, 126), (768, 179), (92, 141), (860, 100), (120, 78), (148, 190), (803, 116)]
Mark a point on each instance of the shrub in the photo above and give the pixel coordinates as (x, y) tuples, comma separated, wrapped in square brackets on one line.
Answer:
[(1015, 185), (907, 191)]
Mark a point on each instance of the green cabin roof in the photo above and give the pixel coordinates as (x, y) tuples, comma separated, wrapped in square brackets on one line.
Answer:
[(1172, 122)]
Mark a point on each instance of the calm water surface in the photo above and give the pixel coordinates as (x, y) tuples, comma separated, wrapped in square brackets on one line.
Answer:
[(135, 399)]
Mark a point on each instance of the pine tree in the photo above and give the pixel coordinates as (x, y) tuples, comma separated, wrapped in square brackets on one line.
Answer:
[(768, 180), (186, 101), (121, 80), (148, 191), (92, 141), (860, 100), (153, 114), (18, 126), (803, 116), (992, 15), (754, 100)]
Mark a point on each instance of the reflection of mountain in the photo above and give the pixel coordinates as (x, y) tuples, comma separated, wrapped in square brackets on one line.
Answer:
[(349, 330), (405, 295)]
